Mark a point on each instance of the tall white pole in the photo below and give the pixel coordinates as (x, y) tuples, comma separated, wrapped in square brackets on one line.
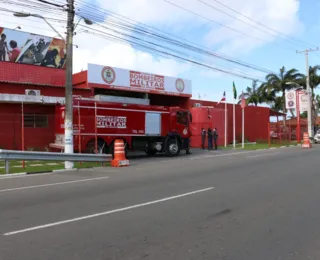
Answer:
[(234, 124), (242, 127), (310, 128), (68, 119), (225, 123)]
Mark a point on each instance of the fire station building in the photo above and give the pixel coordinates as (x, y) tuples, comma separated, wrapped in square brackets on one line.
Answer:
[(30, 93)]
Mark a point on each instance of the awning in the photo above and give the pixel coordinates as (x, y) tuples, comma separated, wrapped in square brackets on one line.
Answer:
[(276, 113)]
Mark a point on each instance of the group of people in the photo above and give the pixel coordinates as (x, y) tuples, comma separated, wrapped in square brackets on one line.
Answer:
[(212, 136)]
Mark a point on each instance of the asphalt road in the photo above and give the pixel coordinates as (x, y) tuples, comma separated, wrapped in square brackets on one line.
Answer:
[(241, 205)]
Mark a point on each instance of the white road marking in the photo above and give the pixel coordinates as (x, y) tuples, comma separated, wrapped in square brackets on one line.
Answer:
[(106, 212), (21, 175), (53, 184), (258, 155), (220, 155)]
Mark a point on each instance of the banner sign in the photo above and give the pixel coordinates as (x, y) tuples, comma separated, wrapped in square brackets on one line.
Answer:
[(291, 99), (116, 78), (304, 101), (27, 48), (297, 100)]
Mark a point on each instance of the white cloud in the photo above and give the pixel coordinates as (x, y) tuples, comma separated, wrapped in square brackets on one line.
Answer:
[(125, 56), (281, 15)]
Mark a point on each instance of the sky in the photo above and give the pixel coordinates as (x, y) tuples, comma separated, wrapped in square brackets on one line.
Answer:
[(292, 25)]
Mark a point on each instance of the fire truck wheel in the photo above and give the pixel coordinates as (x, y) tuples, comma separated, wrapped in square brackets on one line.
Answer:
[(173, 147)]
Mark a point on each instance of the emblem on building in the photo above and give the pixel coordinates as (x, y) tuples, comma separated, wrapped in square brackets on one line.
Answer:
[(290, 95), (108, 75), (180, 85)]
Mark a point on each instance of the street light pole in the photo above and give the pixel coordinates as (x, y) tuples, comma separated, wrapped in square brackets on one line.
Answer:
[(68, 121), (309, 113), (18, 14)]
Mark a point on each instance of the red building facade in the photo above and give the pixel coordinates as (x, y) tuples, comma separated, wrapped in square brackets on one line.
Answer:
[(36, 90)]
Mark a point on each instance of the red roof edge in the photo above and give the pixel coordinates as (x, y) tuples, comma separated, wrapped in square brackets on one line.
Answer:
[(80, 78)]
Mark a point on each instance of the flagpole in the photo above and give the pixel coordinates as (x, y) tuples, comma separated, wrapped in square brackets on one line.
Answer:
[(242, 127), (234, 124), (225, 123)]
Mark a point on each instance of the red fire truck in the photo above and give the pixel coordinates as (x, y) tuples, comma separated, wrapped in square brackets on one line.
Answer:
[(152, 129)]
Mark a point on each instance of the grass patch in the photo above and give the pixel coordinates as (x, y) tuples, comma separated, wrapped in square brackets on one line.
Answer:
[(258, 146), (44, 166)]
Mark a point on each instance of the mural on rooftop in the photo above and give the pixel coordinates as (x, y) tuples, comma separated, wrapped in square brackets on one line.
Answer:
[(28, 48)]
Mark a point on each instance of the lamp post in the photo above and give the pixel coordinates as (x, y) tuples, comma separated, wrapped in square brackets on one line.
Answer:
[(38, 16), (68, 121)]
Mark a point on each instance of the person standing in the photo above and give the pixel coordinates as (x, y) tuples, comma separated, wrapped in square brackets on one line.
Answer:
[(215, 138), (203, 137), (210, 135)]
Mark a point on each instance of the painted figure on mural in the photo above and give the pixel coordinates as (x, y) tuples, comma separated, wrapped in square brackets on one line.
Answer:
[(3, 47)]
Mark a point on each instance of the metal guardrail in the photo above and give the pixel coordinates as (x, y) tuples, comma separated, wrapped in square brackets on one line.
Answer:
[(9, 155)]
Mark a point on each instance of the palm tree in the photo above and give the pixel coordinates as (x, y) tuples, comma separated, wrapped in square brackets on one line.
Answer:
[(314, 81), (314, 77), (252, 94), (277, 84)]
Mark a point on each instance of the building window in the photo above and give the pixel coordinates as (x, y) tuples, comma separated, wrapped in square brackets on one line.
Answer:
[(35, 120), (182, 117)]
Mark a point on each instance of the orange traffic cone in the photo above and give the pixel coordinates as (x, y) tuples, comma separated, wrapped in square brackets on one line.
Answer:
[(119, 159), (306, 141)]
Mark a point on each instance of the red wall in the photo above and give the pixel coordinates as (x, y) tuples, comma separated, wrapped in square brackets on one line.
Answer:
[(10, 125), (14, 88), (256, 121), (31, 74), (205, 118)]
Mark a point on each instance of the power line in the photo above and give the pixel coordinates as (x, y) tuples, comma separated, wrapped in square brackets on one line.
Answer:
[(223, 25), (135, 22), (46, 2), (29, 26), (257, 28), (261, 24), (157, 48), (165, 50), (134, 28)]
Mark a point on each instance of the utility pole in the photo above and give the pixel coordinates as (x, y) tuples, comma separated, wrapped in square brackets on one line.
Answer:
[(306, 52), (68, 119)]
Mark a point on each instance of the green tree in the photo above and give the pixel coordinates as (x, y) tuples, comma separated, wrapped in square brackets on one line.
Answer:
[(252, 94), (314, 77), (276, 85)]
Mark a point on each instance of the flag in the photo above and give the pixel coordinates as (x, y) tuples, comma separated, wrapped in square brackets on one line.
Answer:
[(243, 101), (223, 99), (234, 114), (234, 91)]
